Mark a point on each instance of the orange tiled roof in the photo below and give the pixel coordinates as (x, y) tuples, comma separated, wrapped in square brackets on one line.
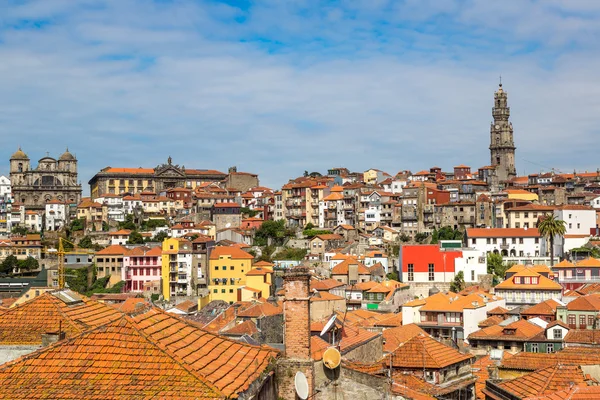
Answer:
[(229, 365), (342, 268), (590, 302), (115, 362), (318, 347), (245, 328), (25, 323), (453, 302), (523, 330), (545, 381), (497, 310), (233, 251), (131, 305), (527, 361), (325, 296), (259, 271), (422, 351), (490, 321), (547, 307), (480, 369), (257, 310), (394, 337), (353, 337), (543, 284), (324, 284), (392, 321), (589, 262), (114, 249)]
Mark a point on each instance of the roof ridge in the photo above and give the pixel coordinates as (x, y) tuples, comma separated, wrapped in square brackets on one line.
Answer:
[(196, 374)]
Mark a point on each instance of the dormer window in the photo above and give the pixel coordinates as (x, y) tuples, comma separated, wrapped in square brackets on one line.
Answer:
[(527, 280), (535, 280), (509, 331), (518, 280)]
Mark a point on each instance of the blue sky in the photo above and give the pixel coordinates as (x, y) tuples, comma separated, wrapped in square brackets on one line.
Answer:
[(279, 87)]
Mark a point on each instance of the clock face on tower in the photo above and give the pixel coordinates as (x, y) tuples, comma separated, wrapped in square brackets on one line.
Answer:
[(497, 126)]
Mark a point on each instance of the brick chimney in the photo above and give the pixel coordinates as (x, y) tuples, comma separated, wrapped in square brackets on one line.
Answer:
[(296, 315)]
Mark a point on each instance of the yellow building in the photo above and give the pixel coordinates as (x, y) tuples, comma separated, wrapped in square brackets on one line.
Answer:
[(259, 279), (176, 270), (227, 271), (521, 194)]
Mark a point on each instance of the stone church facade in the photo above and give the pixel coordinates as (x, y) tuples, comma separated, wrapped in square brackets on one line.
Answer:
[(51, 180)]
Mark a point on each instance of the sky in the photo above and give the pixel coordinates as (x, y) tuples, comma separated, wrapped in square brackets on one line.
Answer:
[(279, 87)]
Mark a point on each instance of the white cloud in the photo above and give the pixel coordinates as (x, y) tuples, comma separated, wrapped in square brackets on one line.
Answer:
[(126, 84)]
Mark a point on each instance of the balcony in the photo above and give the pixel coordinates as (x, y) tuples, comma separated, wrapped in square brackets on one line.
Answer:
[(348, 207), (409, 217), (173, 270)]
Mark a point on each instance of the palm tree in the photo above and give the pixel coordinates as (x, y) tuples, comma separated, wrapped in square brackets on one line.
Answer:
[(550, 227)]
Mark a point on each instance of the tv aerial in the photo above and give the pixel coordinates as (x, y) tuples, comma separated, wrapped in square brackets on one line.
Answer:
[(301, 385)]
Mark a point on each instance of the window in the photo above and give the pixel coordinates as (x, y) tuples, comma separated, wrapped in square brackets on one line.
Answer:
[(230, 290), (534, 347), (557, 333), (526, 215), (495, 241), (514, 240), (215, 290), (590, 321), (222, 290), (520, 240), (473, 276), (231, 268), (517, 280), (570, 225), (431, 272), (571, 321), (487, 241), (578, 225), (224, 268), (582, 322), (537, 240), (216, 268), (411, 272), (550, 348)]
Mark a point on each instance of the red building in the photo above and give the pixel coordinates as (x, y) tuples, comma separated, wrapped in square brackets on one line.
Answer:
[(462, 172), (424, 263)]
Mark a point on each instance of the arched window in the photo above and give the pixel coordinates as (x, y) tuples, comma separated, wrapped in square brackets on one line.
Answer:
[(20, 167)]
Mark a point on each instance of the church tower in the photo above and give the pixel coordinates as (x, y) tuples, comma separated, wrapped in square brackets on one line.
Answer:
[(502, 145)]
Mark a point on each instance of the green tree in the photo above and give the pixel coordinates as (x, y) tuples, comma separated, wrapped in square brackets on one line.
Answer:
[(135, 238), (445, 233), (290, 253), (8, 264), (311, 233), (128, 223), (20, 230), (28, 264), (273, 231), (160, 236), (550, 227), (496, 266), (77, 225), (77, 279), (404, 237), (250, 213), (310, 225), (86, 242), (458, 283), (420, 237), (393, 276)]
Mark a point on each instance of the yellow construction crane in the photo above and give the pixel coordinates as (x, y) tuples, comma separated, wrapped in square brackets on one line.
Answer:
[(61, 261)]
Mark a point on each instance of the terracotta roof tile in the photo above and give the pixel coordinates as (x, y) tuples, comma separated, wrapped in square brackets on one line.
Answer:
[(234, 252), (394, 337), (324, 284), (318, 347), (547, 307), (545, 381), (257, 310), (113, 250), (517, 331), (480, 369), (502, 232), (422, 351), (590, 302), (245, 328), (526, 361), (25, 323), (342, 268)]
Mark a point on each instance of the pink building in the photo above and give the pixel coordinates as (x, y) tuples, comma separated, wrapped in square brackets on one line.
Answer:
[(141, 265)]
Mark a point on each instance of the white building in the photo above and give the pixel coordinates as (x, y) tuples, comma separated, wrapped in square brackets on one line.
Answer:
[(473, 264), (5, 206), (331, 209), (57, 215), (5, 191), (511, 242), (33, 221), (579, 221), (374, 257), (114, 206)]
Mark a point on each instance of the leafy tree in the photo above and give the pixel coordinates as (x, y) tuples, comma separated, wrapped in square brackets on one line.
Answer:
[(290, 253), (309, 226), (77, 279), (273, 231), (495, 266), (404, 237), (585, 251), (393, 276), (67, 246), (152, 224), (458, 283), (420, 237), (77, 225), (8, 264), (445, 233), (20, 230), (549, 227), (135, 238), (267, 253), (250, 213), (86, 242), (160, 236), (129, 223), (28, 264), (311, 233)]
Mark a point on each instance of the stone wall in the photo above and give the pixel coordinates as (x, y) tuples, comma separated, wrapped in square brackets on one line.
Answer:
[(369, 352)]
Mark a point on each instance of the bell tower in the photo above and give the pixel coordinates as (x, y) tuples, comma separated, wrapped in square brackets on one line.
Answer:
[(502, 145)]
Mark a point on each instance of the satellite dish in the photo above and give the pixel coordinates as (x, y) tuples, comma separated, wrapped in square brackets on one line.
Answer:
[(301, 384), (332, 358), (328, 325)]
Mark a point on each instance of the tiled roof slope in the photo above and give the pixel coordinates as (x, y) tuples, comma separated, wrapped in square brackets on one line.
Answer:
[(545, 381), (526, 361), (115, 361), (523, 330), (423, 351), (26, 323), (394, 337), (231, 366)]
